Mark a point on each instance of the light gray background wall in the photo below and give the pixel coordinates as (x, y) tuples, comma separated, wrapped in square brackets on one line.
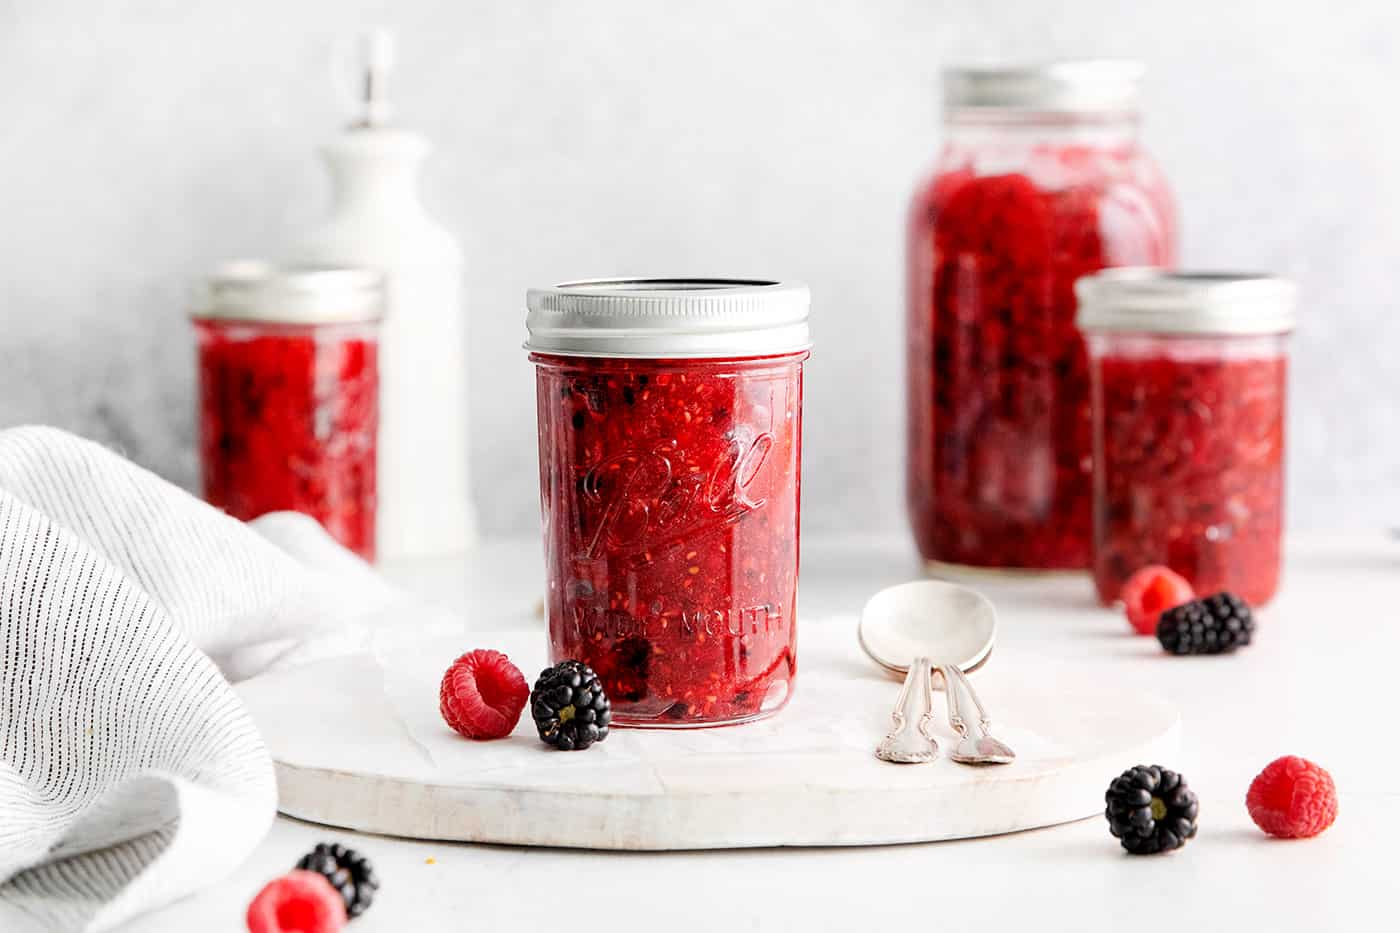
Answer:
[(143, 142)]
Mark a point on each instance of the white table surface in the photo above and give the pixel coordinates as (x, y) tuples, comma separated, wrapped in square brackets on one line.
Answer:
[(1316, 683)]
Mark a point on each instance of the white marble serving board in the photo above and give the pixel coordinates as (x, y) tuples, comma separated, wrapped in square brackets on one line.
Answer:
[(359, 744)]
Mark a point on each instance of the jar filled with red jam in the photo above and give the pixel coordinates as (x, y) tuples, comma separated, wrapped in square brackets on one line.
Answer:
[(1041, 180), (1189, 375), (289, 395), (670, 445)]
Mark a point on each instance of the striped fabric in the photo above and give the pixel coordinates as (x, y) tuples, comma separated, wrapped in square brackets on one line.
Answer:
[(130, 773)]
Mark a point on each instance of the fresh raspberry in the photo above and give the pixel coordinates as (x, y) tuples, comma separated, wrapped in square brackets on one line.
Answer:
[(1292, 798), (483, 695), (298, 902), (1150, 591)]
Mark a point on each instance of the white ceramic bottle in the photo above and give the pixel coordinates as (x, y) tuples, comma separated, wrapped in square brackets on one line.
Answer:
[(377, 220)]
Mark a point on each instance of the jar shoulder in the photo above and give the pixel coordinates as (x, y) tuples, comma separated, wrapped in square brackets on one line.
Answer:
[(1120, 190)]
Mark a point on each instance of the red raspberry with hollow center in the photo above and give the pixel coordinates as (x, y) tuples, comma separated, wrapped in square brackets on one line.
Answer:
[(483, 695), (1292, 798), (1150, 592), (298, 902)]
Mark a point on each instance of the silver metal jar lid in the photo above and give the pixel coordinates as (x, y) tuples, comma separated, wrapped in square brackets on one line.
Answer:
[(260, 291), (1154, 301), (686, 318), (1075, 87)]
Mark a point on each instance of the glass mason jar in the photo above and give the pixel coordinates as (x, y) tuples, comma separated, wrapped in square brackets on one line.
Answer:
[(1041, 180), (670, 445), (289, 395), (1189, 398)]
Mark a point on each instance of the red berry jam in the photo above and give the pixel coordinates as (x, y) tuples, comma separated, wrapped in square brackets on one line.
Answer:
[(1189, 438), (288, 421), (670, 494), (998, 398)]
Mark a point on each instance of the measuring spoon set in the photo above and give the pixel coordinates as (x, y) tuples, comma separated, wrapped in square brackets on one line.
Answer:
[(925, 628)]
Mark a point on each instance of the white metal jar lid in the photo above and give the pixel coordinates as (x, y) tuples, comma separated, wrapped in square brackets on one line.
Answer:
[(1078, 86), (259, 291), (685, 318), (1154, 301)]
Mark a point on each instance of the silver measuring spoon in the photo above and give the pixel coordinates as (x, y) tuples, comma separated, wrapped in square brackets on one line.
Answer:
[(903, 627), (910, 740), (928, 618), (975, 745)]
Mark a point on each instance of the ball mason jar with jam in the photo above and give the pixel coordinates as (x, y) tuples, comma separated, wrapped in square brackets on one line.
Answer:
[(289, 394), (1041, 180), (1189, 398), (670, 455)]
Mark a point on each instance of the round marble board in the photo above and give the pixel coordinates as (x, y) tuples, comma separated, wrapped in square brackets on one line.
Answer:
[(359, 743)]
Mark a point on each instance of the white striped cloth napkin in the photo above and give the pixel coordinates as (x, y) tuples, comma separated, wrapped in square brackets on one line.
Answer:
[(130, 773)]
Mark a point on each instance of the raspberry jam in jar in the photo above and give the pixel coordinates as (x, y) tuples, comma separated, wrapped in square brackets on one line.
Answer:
[(1189, 390), (1041, 180), (288, 395), (670, 444)]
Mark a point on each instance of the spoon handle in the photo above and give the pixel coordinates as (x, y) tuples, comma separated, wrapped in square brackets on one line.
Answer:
[(910, 739), (964, 687), (951, 693), (975, 745)]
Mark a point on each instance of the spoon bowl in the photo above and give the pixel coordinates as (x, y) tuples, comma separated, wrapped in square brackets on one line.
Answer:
[(982, 749), (928, 618)]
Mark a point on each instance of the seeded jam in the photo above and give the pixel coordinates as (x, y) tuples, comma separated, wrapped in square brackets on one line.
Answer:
[(1190, 435), (288, 421), (669, 490), (999, 462)]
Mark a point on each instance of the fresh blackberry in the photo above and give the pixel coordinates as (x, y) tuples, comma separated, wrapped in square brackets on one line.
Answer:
[(1151, 810), (569, 707), (1213, 625), (349, 872)]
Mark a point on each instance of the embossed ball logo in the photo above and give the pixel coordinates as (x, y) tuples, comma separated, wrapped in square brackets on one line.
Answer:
[(643, 502)]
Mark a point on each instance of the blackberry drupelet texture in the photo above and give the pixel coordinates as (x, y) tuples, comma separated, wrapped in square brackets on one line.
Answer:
[(1150, 810), (1214, 625), (349, 872), (569, 706)]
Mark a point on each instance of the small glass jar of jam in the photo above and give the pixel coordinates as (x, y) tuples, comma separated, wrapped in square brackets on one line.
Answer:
[(1189, 399), (670, 445), (289, 394), (1041, 180)]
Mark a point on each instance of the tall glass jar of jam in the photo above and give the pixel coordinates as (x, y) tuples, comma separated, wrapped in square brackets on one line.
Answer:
[(1041, 180), (289, 394), (1189, 388), (670, 444)]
